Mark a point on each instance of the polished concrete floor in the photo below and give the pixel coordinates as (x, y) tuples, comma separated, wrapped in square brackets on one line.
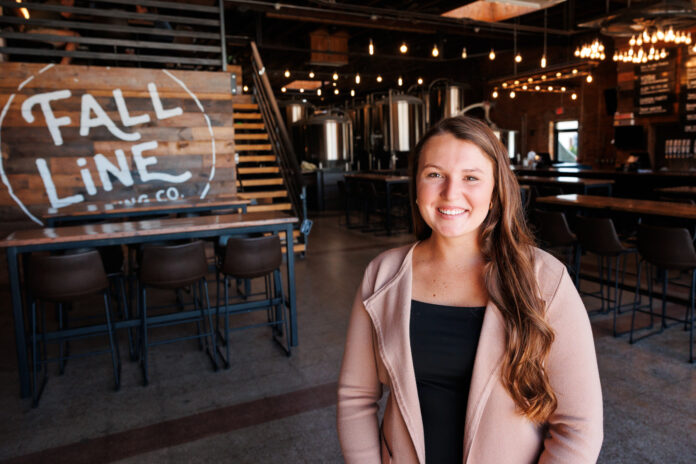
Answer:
[(271, 408)]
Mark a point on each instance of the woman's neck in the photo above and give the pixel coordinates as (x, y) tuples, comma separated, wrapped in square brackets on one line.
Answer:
[(462, 251)]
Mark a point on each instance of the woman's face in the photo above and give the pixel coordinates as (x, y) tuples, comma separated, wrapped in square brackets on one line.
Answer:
[(454, 186)]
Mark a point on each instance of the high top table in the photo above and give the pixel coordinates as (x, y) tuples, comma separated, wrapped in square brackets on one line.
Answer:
[(93, 235), (388, 180), (85, 212), (568, 181), (625, 205)]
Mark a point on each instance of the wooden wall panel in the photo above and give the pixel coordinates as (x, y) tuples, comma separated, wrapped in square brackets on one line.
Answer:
[(177, 138)]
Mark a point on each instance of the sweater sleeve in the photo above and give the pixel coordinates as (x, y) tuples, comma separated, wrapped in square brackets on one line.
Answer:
[(359, 389), (575, 430)]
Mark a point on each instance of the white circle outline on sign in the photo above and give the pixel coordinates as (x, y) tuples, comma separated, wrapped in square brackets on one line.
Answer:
[(6, 181)]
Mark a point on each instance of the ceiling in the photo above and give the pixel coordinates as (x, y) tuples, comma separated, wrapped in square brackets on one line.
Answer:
[(282, 32)]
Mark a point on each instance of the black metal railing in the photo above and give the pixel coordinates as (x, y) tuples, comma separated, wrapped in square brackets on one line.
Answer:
[(280, 140)]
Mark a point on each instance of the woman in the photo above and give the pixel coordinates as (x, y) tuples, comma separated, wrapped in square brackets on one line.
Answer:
[(481, 338)]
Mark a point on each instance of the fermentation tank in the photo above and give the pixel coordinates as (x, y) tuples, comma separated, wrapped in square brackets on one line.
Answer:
[(400, 119), (295, 111), (444, 100), (325, 139)]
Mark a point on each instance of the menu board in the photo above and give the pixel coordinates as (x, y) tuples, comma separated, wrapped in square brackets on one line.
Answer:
[(687, 100), (655, 87)]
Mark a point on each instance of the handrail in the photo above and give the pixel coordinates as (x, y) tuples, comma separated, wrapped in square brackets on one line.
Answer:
[(273, 119)]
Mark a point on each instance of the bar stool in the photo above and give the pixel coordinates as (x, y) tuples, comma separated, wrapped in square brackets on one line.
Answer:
[(598, 236), (249, 258), (175, 267), (668, 249), (62, 279), (554, 233)]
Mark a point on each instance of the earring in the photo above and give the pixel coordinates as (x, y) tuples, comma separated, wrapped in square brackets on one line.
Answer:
[(490, 206)]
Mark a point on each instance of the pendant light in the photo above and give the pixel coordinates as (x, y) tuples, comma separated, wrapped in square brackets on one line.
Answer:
[(543, 57)]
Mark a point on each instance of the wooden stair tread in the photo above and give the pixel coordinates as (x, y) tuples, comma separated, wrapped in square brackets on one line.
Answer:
[(258, 170), (249, 125), (263, 194), (251, 136), (245, 106), (244, 116), (270, 207), (260, 182), (264, 147), (255, 158)]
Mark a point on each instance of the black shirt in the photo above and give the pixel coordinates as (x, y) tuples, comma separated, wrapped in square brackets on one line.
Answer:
[(443, 346)]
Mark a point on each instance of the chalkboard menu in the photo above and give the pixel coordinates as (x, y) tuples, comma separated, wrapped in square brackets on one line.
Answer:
[(655, 87), (687, 100)]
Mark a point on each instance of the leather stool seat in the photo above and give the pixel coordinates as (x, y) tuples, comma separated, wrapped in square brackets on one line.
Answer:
[(248, 258), (62, 279), (175, 267)]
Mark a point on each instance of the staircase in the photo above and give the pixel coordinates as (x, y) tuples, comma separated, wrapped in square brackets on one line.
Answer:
[(258, 172)]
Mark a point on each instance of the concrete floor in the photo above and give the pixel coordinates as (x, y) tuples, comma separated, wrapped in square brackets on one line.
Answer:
[(270, 408)]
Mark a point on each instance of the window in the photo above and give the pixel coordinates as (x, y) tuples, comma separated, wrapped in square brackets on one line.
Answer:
[(565, 134)]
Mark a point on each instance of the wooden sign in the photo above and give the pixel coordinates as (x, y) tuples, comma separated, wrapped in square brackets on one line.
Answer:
[(78, 134)]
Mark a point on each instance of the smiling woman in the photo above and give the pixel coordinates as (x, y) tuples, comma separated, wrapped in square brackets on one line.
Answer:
[(482, 338)]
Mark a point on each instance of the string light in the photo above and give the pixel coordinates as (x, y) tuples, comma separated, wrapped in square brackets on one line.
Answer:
[(589, 78), (494, 94), (420, 81), (283, 89), (287, 73), (512, 94), (371, 48), (543, 56), (400, 81), (403, 48), (435, 51), (311, 74), (464, 55), (335, 76), (379, 78), (335, 91), (491, 55), (357, 78)]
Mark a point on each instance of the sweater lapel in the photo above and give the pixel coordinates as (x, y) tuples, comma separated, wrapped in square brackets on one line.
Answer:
[(487, 363), (390, 311)]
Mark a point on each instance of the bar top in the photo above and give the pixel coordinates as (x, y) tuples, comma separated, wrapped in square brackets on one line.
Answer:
[(143, 228)]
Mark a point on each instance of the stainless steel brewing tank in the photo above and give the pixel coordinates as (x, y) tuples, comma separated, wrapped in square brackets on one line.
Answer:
[(328, 139), (453, 101), (295, 111), (400, 120)]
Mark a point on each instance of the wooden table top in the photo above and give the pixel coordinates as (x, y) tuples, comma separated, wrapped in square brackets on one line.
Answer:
[(378, 177), (563, 180), (628, 205), (106, 208), (146, 228), (684, 189)]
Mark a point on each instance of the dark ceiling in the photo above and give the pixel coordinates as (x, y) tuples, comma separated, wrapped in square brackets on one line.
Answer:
[(282, 32)]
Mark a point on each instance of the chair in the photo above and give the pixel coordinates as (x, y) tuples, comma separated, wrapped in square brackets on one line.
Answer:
[(668, 249), (598, 236), (62, 279), (175, 267), (554, 233), (249, 258)]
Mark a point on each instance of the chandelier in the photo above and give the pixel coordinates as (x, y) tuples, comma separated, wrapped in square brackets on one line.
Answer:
[(639, 55), (593, 51)]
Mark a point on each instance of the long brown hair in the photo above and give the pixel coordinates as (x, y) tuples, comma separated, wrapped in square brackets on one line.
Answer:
[(507, 247)]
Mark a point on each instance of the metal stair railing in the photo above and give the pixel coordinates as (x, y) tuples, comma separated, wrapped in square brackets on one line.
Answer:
[(280, 141)]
